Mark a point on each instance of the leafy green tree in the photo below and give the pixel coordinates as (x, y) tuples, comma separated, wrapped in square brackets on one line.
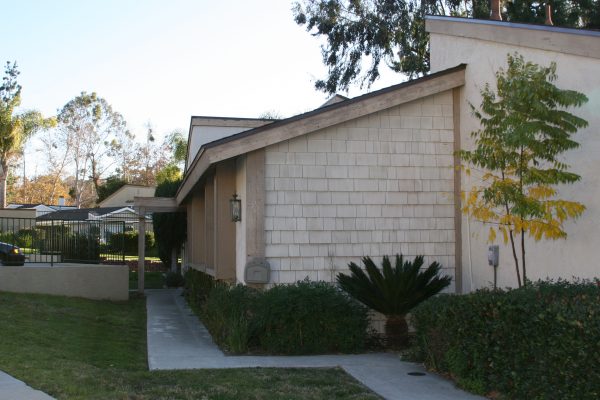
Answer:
[(169, 173), (170, 229), (525, 128), (178, 145), (393, 291), (392, 32), (15, 129), (172, 171), (111, 185)]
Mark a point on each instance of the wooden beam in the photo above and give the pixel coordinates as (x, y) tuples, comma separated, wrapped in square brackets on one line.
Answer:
[(157, 204), (209, 226), (255, 204), (225, 228), (457, 191)]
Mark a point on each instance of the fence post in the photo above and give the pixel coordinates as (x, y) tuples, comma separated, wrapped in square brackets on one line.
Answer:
[(52, 245), (123, 241), (141, 249)]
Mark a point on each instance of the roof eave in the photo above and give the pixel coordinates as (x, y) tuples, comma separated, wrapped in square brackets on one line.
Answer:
[(334, 114)]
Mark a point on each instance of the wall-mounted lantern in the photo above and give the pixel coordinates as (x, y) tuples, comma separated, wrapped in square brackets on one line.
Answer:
[(236, 208)]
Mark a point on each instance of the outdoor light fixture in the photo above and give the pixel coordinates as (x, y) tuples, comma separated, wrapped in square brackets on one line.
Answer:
[(236, 208)]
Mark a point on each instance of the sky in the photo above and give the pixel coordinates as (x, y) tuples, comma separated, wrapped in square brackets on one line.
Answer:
[(160, 62)]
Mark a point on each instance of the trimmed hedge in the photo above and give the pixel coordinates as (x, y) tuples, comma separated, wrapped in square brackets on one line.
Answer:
[(228, 314), (129, 241), (301, 318), (198, 285), (309, 318), (539, 342)]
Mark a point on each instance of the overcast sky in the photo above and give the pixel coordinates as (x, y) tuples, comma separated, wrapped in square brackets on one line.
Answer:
[(162, 61)]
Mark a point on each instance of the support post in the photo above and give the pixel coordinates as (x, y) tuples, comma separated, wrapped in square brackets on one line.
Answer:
[(141, 249), (52, 234)]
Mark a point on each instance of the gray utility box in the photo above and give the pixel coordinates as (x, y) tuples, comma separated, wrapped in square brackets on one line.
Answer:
[(257, 271)]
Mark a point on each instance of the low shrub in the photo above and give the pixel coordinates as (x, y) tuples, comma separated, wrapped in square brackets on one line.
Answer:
[(197, 287), (308, 318), (227, 313), (302, 318), (538, 342)]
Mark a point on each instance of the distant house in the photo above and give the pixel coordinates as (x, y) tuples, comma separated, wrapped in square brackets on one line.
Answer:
[(111, 219), (377, 174), (123, 197), (40, 209), (91, 214)]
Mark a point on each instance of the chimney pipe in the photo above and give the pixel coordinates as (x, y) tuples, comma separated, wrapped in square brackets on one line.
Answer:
[(548, 15), (61, 201), (496, 10)]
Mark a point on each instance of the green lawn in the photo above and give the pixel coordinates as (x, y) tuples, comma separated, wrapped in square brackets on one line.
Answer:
[(83, 349), (152, 280)]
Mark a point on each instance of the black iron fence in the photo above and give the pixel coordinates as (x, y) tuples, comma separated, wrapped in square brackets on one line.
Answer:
[(55, 241)]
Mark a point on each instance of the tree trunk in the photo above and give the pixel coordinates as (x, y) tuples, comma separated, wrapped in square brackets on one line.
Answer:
[(396, 331), (523, 258), (514, 252), (3, 176)]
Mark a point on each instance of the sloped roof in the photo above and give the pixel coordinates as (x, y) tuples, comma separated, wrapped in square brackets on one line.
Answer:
[(334, 99), (127, 186), (82, 214), (580, 42), (346, 110)]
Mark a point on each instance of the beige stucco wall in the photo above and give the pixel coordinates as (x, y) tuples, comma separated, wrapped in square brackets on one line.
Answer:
[(378, 185), (101, 282), (563, 258), (124, 196)]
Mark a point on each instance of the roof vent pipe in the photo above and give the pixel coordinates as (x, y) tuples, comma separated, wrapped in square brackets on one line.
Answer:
[(548, 15), (496, 10)]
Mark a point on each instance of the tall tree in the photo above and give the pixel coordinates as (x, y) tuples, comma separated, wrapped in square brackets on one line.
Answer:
[(43, 189), (177, 143), (15, 129), (525, 129), (87, 126), (393, 31), (110, 186), (170, 229), (139, 163)]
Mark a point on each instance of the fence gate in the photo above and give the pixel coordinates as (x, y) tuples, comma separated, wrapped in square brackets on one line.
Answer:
[(55, 241)]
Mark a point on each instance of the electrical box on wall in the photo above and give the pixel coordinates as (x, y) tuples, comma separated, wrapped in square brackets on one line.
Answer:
[(257, 271), (493, 255)]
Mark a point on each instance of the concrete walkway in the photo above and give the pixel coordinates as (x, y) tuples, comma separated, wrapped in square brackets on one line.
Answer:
[(177, 340), (14, 389)]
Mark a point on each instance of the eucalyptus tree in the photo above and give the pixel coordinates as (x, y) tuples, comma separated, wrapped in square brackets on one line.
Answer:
[(87, 126), (15, 128), (362, 36)]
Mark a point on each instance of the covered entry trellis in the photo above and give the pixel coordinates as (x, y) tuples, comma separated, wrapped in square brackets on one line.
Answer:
[(145, 205)]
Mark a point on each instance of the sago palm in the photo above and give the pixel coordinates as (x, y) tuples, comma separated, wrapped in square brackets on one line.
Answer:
[(393, 291)]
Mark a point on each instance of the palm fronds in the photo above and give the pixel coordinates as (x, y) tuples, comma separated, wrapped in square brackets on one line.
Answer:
[(393, 290)]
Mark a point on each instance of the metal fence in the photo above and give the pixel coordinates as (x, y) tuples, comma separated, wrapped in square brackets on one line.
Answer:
[(55, 241)]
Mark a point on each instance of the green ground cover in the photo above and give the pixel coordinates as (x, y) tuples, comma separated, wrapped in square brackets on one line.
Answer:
[(83, 349), (152, 280)]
